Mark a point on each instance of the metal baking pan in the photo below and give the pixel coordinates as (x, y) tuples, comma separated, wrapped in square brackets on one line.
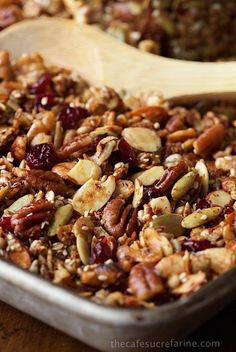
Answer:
[(104, 327)]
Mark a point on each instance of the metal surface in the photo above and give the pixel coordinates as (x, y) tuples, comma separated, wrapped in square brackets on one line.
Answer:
[(101, 326)]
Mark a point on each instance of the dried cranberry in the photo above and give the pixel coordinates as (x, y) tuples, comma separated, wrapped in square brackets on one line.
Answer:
[(99, 137), (42, 85), (101, 251), (45, 100), (126, 152), (42, 156), (203, 204), (233, 151), (5, 223), (70, 116), (193, 245), (228, 209)]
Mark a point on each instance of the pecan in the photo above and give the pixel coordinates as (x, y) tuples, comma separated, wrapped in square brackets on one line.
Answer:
[(100, 274), (62, 169), (18, 148), (5, 66), (144, 282), (9, 15), (170, 176), (210, 140), (118, 218), (28, 219), (17, 188), (151, 113), (39, 180), (78, 144)]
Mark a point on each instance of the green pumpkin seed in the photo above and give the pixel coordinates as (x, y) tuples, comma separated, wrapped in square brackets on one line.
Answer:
[(61, 217), (20, 203), (201, 217), (183, 185), (170, 223)]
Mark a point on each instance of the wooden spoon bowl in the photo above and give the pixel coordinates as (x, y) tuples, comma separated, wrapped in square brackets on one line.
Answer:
[(102, 60)]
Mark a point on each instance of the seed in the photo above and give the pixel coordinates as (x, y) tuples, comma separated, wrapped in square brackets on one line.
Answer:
[(201, 217), (183, 185)]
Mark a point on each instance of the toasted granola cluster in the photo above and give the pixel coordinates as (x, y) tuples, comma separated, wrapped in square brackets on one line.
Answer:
[(126, 200), (184, 29)]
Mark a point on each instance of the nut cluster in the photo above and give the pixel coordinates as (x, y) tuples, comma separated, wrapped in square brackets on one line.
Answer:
[(129, 201)]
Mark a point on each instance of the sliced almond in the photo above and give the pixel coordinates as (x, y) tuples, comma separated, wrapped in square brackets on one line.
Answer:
[(220, 198), (141, 138), (204, 176), (93, 195), (41, 138), (138, 193), (83, 171), (61, 217), (183, 185), (20, 203), (104, 149), (124, 189), (148, 177), (201, 217), (62, 169), (160, 205), (171, 223)]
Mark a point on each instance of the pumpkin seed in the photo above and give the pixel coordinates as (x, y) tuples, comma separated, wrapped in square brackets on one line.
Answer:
[(61, 217), (201, 217), (20, 203), (170, 223), (183, 185), (82, 230)]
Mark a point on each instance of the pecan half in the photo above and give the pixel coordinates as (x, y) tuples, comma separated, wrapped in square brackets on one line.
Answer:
[(39, 180), (210, 140), (7, 135), (170, 176), (144, 282), (118, 218), (78, 144), (28, 219), (229, 184)]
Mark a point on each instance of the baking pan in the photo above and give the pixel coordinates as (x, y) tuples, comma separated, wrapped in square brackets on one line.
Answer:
[(104, 327)]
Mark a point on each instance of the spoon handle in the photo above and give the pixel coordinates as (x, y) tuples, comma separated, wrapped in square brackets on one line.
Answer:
[(103, 60)]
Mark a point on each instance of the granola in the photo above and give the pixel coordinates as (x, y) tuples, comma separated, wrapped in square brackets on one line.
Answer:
[(183, 29), (132, 205)]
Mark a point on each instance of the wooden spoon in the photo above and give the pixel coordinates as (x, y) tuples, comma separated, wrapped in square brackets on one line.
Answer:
[(103, 60)]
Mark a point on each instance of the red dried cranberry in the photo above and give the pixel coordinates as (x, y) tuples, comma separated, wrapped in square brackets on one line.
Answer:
[(99, 137), (101, 251), (126, 152), (193, 245), (42, 156), (42, 85), (5, 223), (228, 209), (70, 116), (44, 100), (203, 204)]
